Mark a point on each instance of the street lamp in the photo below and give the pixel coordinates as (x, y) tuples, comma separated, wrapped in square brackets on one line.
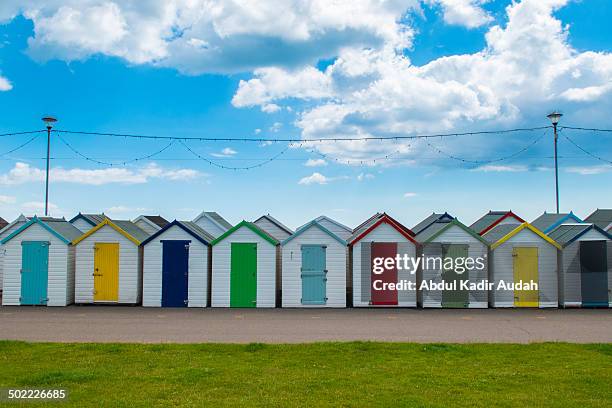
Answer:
[(554, 118), (49, 121)]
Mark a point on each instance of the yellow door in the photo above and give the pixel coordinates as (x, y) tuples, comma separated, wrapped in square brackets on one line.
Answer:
[(106, 272), (525, 271)]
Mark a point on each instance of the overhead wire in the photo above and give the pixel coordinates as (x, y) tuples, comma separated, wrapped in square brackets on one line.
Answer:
[(20, 146)]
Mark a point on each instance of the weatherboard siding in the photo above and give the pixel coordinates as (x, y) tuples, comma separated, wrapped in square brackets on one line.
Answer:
[(147, 227), (82, 225), (129, 266), (59, 267), (336, 229), (272, 229), (210, 227), (503, 268), (383, 233), (197, 269), (335, 263), (266, 269), (4, 234)]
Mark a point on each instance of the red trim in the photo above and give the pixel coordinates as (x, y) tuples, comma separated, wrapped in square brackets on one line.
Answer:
[(407, 233), (507, 215)]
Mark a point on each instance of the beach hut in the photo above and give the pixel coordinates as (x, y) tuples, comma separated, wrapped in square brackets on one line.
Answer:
[(381, 236), (522, 267), (244, 267), (5, 232), (212, 223), (585, 265), (176, 266), (273, 227), (454, 254), (601, 217), (334, 226), (549, 221), (109, 263), (85, 222), (434, 217), (39, 263), (151, 223), (494, 218), (314, 268)]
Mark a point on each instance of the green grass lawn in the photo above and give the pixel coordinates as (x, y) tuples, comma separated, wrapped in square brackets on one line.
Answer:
[(314, 375)]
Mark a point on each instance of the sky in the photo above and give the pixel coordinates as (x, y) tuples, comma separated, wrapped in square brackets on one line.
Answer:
[(300, 70)]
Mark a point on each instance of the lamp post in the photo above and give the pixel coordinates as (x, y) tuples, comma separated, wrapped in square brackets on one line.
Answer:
[(49, 121), (554, 118)]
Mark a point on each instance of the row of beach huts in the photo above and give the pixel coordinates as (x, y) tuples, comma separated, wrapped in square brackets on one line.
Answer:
[(209, 262)]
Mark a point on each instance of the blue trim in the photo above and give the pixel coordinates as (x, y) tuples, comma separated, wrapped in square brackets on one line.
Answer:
[(34, 220), (78, 216), (561, 221), (170, 225), (314, 223), (593, 226)]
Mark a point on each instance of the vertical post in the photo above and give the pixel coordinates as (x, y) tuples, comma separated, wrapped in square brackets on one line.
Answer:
[(47, 179), (556, 168)]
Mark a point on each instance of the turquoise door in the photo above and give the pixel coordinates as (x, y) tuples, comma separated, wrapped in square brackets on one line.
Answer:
[(314, 279), (34, 272)]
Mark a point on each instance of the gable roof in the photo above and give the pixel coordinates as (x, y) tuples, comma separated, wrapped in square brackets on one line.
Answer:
[(215, 218), (126, 228), (3, 223), (326, 218), (58, 227), (250, 226), (21, 218), (315, 224), (549, 221), (491, 219), (368, 221), (601, 217), (189, 227), (438, 228), (92, 219), (567, 233), (495, 241), (156, 221), (275, 222), (375, 222), (434, 217)]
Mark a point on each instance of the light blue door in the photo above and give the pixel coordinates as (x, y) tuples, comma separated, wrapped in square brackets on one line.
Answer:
[(314, 275), (34, 272)]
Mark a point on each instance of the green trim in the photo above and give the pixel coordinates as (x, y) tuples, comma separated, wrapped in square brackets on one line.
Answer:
[(27, 225), (460, 225), (248, 225), (314, 223)]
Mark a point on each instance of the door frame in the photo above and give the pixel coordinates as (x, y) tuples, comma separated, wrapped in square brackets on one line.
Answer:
[(320, 274), (464, 293), (235, 286), (96, 272), (187, 244), (44, 288), (515, 256)]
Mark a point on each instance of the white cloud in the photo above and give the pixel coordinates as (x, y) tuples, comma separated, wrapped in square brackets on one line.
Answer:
[(5, 84), (466, 13), (276, 126), (270, 108), (314, 178), (502, 168), (23, 173), (199, 36), (410, 195), (365, 176), (315, 163), (590, 170), (226, 152), (4, 199)]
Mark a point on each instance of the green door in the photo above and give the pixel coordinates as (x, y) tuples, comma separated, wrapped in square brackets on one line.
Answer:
[(243, 277), (454, 298), (314, 280), (34, 272)]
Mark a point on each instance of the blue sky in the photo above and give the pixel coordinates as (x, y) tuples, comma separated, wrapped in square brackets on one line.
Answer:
[(301, 71)]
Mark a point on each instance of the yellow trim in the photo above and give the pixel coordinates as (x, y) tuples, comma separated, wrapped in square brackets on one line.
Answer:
[(522, 227), (111, 224)]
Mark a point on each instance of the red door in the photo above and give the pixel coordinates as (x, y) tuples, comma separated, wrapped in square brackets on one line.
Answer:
[(384, 297)]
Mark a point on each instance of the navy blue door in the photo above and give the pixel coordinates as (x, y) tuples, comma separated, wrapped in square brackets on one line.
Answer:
[(175, 264)]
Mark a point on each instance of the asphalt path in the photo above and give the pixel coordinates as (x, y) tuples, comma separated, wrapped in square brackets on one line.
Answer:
[(155, 325)]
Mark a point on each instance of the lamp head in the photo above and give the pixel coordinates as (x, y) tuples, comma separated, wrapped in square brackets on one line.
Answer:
[(554, 117), (49, 121)]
